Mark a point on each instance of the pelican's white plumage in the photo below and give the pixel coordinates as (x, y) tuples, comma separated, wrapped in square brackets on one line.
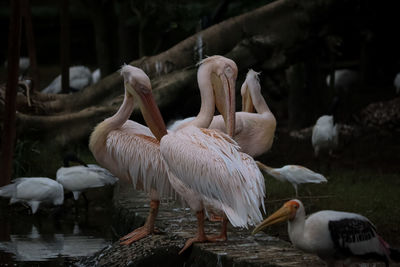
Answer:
[(332, 235), (80, 178), (294, 174), (210, 164), (130, 151), (325, 135), (79, 78), (33, 191)]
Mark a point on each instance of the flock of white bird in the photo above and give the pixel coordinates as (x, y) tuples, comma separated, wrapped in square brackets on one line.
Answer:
[(33, 191), (208, 161)]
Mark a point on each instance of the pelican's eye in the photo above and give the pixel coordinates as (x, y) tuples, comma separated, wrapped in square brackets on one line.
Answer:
[(229, 71)]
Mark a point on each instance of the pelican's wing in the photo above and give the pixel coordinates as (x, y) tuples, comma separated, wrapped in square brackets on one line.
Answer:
[(138, 154), (178, 124), (209, 163)]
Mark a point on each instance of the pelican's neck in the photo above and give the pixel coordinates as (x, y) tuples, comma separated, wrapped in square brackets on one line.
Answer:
[(259, 102), (207, 109), (99, 135), (123, 113), (296, 229)]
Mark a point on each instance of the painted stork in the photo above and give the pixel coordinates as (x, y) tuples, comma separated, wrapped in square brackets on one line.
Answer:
[(294, 174), (333, 236), (33, 191)]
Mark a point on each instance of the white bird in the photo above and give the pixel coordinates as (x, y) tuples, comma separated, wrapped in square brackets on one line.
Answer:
[(78, 179), (96, 76), (325, 135), (294, 174), (80, 77), (33, 191), (345, 80), (254, 132), (333, 236), (396, 83), (130, 151), (24, 64)]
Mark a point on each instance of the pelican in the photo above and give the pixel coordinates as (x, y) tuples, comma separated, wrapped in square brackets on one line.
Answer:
[(130, 151), (79, 78), (325, 135), (294, 174), (205, 166), (333, 236), (33, 191), (254, 132), (79, 178)]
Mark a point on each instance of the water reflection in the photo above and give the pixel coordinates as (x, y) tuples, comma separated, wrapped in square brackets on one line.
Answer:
[(57, 241), (41, 247)]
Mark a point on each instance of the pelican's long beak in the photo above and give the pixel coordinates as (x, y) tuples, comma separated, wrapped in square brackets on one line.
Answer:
[(281, 215), (247, 102), (225, 101), (150, 111)]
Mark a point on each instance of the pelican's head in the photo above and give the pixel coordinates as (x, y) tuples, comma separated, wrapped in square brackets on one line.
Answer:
[(222, 73), (138, 85), (287, 212), (250, 86)]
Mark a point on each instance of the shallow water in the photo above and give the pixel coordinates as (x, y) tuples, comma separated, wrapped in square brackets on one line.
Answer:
[(49, 238)]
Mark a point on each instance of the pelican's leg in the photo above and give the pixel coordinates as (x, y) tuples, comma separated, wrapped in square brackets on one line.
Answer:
[(146, 229), (223, 235), (215, 218), (201, 236)]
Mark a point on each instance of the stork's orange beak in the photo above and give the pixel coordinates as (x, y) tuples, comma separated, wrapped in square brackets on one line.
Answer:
[(281, 215)]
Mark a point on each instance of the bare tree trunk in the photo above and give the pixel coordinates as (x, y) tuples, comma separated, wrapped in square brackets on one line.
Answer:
[(8, 136)]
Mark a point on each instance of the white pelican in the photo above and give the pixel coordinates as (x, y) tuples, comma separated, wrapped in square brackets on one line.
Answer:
[(80, 77), (254, 132), (33, 191), (205, 166), (131, 152), (77, 179), (294, 174), (333, 235), (325, 135)]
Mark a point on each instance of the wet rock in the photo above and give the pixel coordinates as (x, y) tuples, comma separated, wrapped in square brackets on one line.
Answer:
[(177, 224)]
